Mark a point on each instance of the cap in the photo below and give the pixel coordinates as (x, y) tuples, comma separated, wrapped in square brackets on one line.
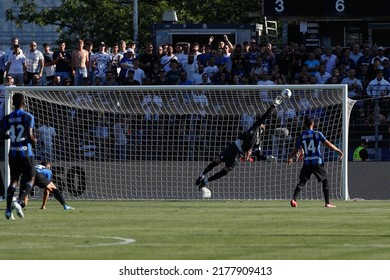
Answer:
[(130, 50), (364, 140), (380, 48), (253, 41), (102, 44), (245, 43), (162, 70), (385, 59), (131, 70)]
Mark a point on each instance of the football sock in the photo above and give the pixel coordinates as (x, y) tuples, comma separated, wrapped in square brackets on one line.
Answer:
[(209, 167), (218, 175), (58, 195), (325, 190), (24, 191), (298, 190), (10, 195)]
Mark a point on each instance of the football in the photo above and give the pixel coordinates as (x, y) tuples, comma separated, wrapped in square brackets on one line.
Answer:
[(206, 193), (286, 93)]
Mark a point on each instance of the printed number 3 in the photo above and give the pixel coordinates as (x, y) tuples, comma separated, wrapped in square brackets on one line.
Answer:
[(279, 6)]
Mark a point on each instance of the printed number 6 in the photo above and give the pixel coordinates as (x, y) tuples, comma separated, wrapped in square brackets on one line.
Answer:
[(340, 6)]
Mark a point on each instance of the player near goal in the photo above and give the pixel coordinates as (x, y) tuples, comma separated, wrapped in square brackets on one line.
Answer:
[(43, 180), (242, 147), (19, 125), (308, 143)]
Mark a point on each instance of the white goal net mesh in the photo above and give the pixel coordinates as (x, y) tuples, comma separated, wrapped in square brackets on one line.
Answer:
[(152, 142)]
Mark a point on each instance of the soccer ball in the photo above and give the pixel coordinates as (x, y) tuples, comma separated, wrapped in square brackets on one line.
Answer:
[(206, 193), (286, 93)]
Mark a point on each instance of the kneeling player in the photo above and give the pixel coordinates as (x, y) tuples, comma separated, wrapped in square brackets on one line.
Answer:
[(43, 180)]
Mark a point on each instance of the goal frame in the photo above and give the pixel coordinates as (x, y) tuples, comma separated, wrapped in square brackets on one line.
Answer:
[(346, 102)]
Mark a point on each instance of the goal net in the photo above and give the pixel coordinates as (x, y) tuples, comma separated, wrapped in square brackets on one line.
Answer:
[(152, 142)]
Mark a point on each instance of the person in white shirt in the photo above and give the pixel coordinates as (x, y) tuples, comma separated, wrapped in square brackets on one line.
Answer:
[(322, 76), (190, 67), (101, 63), (330, 60), (46, 141), (16, 66), (264, 80), (183, 56), (9, 82), (355, 53), (34, 63), (166, 59), (14, 41), (50, 66), (119, 131), (380, 54), (197, 77), (379, 86), (354, 85), (139, 74), (211, 69)]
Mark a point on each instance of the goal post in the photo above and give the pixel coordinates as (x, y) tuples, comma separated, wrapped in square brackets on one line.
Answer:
[(151, 142)]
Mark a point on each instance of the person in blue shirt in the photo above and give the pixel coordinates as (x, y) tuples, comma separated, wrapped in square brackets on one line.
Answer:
[(43, 180), (18, 127), (308, 143)]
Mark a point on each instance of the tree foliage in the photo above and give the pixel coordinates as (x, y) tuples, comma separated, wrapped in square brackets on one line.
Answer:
[(112, 20)]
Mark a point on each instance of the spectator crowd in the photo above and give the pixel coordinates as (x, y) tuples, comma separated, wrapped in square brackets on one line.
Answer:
[(364, 68), (191, 63)]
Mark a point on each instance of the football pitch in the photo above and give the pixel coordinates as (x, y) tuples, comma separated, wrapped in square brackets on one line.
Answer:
[(198, 230)]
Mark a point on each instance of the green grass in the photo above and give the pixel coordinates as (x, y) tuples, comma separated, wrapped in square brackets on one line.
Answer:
[(204, 230)]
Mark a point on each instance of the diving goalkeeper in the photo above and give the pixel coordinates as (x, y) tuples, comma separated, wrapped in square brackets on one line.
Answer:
[(242, 147)]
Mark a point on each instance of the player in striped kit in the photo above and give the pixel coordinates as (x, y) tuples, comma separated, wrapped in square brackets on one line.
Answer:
[(309, 144), (43, 180), (19, 125)]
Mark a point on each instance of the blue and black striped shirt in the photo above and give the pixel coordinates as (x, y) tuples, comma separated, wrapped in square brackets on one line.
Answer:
[(18, 125), (310, 141)]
